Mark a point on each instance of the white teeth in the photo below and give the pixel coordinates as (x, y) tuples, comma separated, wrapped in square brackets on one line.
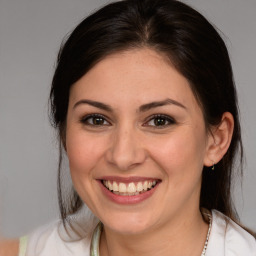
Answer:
[(145, 185), (139, 187), (110, 186), (122, 187), (129, 189), (115, 186)]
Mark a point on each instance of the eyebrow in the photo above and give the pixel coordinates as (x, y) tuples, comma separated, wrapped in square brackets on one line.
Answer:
[(94, 104), (142, 108), (155, 104)]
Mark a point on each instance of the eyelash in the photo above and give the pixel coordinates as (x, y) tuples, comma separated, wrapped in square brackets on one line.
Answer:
[(161, 117), (85, 120)]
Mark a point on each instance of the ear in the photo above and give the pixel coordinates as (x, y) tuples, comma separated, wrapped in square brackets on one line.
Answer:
[(219, 140)]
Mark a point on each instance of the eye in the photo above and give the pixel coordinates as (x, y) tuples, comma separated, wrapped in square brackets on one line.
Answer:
[(160, 121), (95, 120)]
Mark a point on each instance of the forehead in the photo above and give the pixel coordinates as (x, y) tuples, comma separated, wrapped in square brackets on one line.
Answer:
[(133, 76)]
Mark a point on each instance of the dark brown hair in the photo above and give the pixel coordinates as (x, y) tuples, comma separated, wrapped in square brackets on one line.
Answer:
[(192, 45)]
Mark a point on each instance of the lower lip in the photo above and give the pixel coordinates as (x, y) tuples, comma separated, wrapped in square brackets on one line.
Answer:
[(127, 199)]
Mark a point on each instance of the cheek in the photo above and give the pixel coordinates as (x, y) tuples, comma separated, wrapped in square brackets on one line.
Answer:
[(181, 161), (181, 153), (83, 153)]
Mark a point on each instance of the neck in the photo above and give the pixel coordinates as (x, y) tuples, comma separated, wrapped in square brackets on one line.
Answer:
[(168, 239)]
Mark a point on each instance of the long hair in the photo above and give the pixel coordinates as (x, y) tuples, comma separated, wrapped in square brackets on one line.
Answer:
[(192, 45)]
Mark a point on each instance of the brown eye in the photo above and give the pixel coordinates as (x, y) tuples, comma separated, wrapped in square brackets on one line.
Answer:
[(95, 120), (98, 121), (160, 121)]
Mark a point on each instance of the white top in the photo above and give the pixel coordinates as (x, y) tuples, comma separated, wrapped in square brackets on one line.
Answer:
[(226, 239)]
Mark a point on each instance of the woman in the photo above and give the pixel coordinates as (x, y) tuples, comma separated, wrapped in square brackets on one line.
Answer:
[(144, 101)]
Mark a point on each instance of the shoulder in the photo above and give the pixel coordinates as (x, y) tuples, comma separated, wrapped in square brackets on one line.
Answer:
[(9, 247), (228, 238), (52, 239)]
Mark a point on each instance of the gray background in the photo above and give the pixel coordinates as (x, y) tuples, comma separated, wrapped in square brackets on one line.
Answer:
[(30, 34)]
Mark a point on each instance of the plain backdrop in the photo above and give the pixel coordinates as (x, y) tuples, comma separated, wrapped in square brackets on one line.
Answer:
[(30, 35)]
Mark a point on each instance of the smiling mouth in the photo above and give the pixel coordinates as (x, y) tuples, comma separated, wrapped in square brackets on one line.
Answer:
[(131, 188)]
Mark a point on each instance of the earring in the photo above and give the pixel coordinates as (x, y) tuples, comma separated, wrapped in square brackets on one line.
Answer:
[(213, 166)]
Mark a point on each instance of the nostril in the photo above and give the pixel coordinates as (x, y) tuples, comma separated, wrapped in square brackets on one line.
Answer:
[(125, 160), (125, 151)]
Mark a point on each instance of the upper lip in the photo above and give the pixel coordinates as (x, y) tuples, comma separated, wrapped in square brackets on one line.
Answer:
[(128, 179)]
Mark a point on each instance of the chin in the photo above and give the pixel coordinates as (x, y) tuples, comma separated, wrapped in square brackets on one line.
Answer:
[(127, 224)]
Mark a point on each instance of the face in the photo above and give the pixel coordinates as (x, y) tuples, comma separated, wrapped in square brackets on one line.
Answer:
[(136, 142)]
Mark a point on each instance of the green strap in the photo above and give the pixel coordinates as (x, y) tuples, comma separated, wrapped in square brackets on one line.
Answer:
[(23, 245), (95, 242)]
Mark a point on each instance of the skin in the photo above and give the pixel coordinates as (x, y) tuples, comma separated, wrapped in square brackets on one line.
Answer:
[(9, 247), (128, 144)]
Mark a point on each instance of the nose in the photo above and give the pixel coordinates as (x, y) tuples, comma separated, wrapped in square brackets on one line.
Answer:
[(126, 150)]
